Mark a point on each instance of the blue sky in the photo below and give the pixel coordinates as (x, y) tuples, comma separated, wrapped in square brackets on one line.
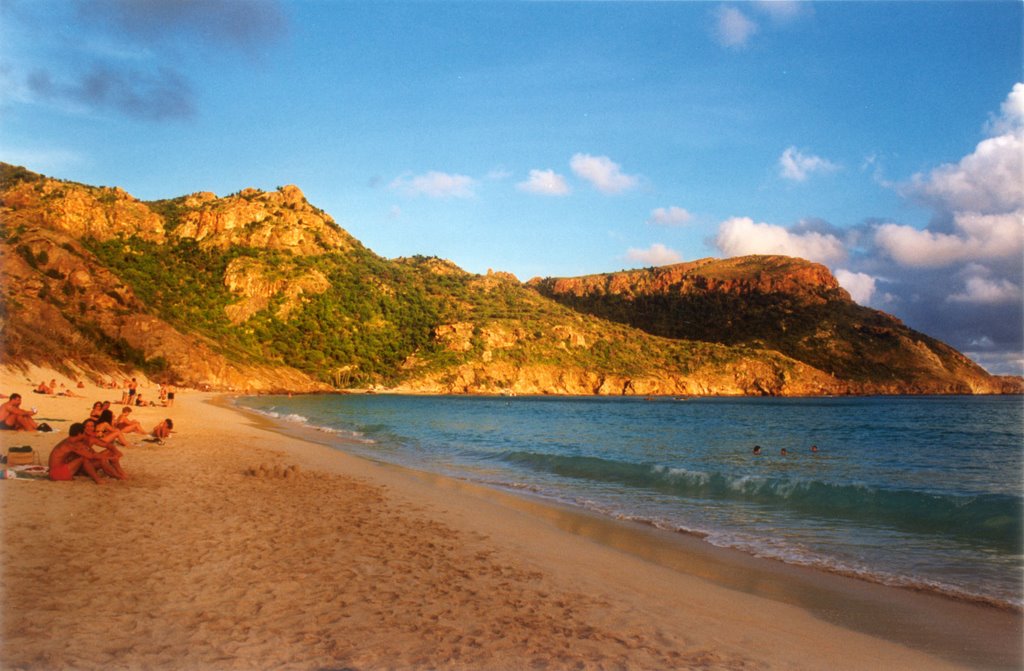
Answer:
[(552, 139)]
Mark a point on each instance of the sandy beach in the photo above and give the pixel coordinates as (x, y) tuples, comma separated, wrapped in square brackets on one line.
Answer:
[(217, 555)]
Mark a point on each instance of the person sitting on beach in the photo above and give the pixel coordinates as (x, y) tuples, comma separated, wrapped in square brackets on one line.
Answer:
[(139, 402), (163, 429), (72, 455), (106, 430), (13, 418), (110, 454), (126, 424), (97, 410)]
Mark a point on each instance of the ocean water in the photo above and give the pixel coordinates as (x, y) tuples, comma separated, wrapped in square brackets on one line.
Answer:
[(923, 492)]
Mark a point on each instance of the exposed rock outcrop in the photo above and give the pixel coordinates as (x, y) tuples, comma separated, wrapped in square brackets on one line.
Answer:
[(281, 220)]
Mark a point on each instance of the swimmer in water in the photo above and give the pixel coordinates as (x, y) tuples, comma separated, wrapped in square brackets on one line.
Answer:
[(783, 452), (814, 448), (757, 449)]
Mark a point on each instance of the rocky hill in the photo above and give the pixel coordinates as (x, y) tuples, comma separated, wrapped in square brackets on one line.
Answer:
[(779, 303), (263, 291)]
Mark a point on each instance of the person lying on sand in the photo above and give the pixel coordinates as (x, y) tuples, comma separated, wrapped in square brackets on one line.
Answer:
[(126, 423), (108, 452), (72, 455), (14, 418)]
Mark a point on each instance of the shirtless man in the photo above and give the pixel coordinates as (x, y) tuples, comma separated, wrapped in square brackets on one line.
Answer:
[(108, 455), (72, 455), (13, 418)]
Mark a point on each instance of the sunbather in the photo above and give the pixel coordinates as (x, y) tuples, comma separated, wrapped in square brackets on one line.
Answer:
[(14, 418), (106, 430), (126, 423)]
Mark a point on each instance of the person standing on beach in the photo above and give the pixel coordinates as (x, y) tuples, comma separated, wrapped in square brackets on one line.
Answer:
[(13, 418)]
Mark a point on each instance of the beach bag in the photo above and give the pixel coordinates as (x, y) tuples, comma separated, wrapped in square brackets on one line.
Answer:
[(21, 456)]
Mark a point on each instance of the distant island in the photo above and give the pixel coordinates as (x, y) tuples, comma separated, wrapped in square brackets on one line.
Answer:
[(262, 291)]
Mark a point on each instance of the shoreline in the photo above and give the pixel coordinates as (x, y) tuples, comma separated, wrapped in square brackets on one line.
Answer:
[(960, 628), (198, 563), (299, 427)]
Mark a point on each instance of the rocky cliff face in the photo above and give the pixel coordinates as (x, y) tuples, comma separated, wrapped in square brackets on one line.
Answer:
[(742, 276), (281, 220), (784, 304), (79, 211)]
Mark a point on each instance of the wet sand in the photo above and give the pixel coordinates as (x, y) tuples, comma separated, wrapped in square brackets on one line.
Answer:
[(213, 556)]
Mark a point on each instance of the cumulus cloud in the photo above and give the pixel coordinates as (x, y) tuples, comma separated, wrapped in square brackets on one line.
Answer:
[(669, 216), (655, 255), (797, 166), (435, 185), (733, 28), (977, 237), (1011, 115), (978, 201), (741, 236), (988, 180), (986, 291), (604, 174), (545, 183), (860, 285)]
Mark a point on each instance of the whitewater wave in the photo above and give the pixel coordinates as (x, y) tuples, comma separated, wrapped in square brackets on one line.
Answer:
[(991, 518)]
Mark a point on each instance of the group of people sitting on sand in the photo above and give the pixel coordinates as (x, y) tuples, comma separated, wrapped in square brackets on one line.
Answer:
[(75, 453), (102, 430)]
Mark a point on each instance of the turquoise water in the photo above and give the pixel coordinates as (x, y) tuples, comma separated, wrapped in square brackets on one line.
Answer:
[(923, 492)]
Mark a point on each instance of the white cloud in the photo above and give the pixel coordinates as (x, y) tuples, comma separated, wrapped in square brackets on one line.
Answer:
[(669, 216), (1012, 112), (986, 291), (732, 27), (989, 180), (860, 285), (544, 182), (655, 255), (978, 237), (740, 236), (604, 174), (436, 185), (795, 165)]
